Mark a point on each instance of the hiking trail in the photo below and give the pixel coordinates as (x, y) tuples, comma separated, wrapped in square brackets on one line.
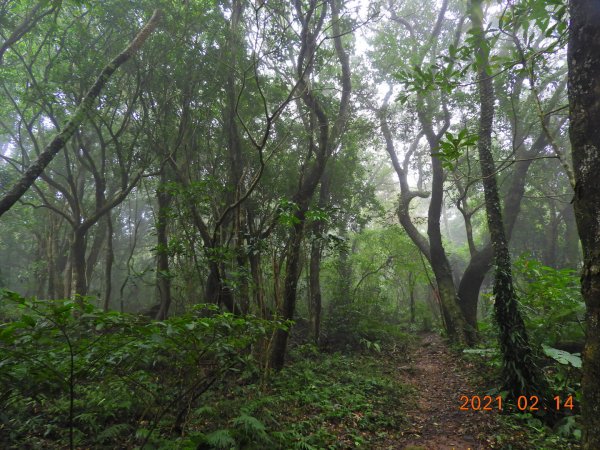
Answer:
[(437, 423)]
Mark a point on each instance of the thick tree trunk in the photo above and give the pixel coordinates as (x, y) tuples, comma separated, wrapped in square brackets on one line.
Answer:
[(521, 376), (216, 291), (584, 102)]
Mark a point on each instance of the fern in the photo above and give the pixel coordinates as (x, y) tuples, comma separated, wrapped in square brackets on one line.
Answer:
[(251, 428), (113, 431), (221, 439), (251, 425)]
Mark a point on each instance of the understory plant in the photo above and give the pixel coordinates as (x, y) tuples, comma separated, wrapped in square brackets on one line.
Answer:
[(72, 375)]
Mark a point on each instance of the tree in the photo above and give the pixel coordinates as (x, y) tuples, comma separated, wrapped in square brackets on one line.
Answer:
[(324, 137), (584, 107), (521, 375), (87, 103)]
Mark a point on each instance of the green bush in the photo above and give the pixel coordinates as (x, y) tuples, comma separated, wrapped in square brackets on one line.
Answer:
[(74, 375), (551, 301)]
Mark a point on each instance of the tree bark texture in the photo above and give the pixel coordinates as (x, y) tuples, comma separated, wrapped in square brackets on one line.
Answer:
[(521, 376), (584, 102), (481, 260)]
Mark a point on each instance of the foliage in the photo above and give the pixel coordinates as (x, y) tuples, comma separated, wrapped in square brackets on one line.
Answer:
[(319, 401), (451, 147), (552, 301), (76, 375)]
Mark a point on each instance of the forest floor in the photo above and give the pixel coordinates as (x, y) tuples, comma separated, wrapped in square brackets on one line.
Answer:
[(440, 379)]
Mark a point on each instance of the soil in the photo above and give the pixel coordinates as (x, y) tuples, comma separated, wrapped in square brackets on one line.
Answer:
[(437, 423)]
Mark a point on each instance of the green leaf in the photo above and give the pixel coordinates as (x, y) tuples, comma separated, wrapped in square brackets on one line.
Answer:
[(563, 357), (221, 439)]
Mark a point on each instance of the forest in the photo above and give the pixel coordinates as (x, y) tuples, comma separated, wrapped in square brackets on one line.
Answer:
[(303, 224)]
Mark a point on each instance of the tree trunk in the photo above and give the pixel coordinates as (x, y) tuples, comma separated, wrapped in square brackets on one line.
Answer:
[(314, 301), (345, 268), (571, 252), (456, 326), (411, 293), (77, 265), (521, 376), (61, 138), (257, 285), (584, 102), (108, 263), (95, 250), (289, 292), (549, 254), (322, 150), (316, 253), (481, 261), (163, 277)]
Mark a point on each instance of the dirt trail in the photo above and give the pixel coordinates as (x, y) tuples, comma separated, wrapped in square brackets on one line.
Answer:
[(437, 423)]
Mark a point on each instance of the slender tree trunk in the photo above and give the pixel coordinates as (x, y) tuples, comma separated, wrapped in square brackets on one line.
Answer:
[(78, 280), (61, 138), (411, 293), (521, 376), (289, 293), (549, 254), (456, 326), (584, 101), (108, 263), (95, 250), (345, 268), (314, 301), (257, 284), (316, 253), (481, 260), (321, 150), (163, 277)]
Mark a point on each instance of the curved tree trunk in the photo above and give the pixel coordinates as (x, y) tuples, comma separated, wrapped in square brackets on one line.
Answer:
[(327, 138), (61, 138)]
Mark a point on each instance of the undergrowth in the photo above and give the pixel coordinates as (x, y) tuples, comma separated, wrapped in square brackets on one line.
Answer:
[(319, 401), (76, 377)]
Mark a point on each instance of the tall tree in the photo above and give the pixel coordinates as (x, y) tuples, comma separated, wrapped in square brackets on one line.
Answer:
[(584, 105), (327, 133), (521, 375)]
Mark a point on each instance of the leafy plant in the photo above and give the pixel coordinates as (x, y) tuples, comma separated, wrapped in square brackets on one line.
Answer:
[(66, 365)]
